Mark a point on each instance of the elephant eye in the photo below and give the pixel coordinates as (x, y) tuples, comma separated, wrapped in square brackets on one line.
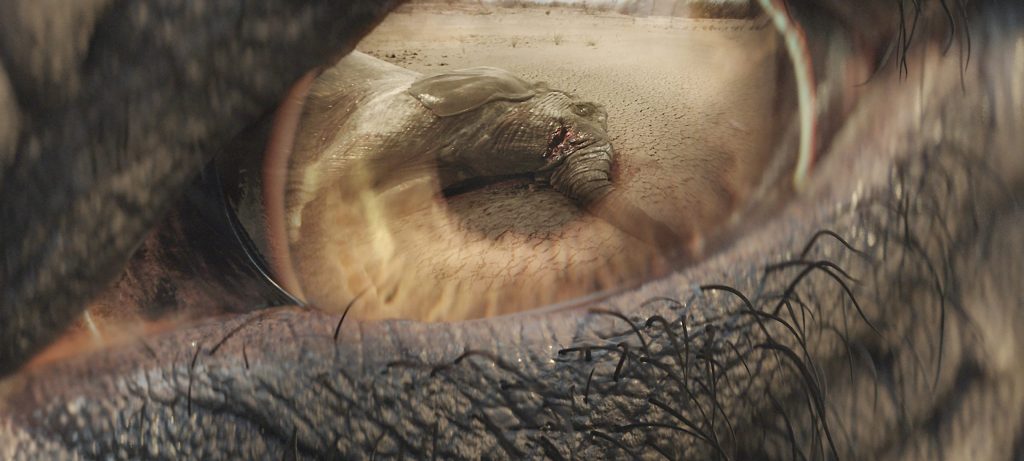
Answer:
[(368, 220), (584, 109), (356, 213)]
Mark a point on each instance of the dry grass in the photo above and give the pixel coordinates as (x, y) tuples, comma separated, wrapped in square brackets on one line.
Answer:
[(710, 9), (736, 9)]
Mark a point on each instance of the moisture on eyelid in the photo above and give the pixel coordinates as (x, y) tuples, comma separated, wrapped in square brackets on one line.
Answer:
[(690, 116)]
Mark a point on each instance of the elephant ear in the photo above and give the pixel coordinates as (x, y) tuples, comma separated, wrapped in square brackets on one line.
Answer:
[(461, 91)]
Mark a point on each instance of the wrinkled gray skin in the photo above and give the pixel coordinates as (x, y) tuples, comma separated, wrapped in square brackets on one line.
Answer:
[(924, 177), (502, 125), (114, 110), (471, 127)]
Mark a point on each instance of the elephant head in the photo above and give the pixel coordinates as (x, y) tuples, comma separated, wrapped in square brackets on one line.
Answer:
[(507, 127)]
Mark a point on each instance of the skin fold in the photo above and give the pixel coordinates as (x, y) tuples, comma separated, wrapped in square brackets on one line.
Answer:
[(875, 315)]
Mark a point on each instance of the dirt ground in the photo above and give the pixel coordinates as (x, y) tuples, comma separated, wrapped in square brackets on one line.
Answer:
[(690, 105)]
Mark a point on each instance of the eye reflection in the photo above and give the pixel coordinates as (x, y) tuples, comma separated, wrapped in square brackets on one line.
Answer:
[(432, 177)]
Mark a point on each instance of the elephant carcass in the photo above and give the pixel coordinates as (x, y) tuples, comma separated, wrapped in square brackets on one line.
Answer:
[(370, 125)]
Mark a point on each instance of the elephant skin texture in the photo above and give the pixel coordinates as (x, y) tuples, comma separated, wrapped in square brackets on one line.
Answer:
[(876, 315)]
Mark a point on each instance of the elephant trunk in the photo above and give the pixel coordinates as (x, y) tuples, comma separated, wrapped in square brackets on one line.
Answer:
[(585, 177)]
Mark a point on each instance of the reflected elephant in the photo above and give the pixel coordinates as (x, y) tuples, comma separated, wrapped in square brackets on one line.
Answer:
[(898, 340), (371, 128), (365, 117)]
